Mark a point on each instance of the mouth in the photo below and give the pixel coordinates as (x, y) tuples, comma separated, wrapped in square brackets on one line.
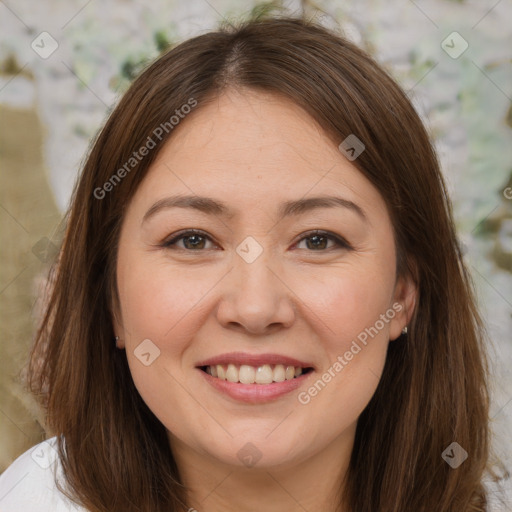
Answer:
[(255, 378), (262, 375)]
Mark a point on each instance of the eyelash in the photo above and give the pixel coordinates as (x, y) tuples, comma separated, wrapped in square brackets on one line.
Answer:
[(339, 241)]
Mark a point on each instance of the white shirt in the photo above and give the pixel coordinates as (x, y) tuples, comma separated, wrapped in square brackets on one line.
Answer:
[(28, 484)]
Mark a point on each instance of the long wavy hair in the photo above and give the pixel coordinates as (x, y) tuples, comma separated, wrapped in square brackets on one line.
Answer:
[(115, 453)]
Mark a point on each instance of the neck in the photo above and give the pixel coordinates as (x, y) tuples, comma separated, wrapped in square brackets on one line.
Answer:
[(314, 483)]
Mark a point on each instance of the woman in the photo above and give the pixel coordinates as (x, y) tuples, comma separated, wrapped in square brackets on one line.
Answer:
[(260, 299)]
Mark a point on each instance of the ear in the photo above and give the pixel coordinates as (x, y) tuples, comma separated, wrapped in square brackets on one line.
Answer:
[(405, 297)]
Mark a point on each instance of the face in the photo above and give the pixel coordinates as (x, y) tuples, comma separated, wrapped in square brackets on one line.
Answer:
[(260, 315)]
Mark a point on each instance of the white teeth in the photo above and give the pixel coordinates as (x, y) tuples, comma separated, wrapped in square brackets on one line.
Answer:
[(279, 374), (232, 373), (264, 374), (246, 374)]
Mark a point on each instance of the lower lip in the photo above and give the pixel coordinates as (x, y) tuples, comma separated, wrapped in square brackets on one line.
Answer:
[(255, 393)]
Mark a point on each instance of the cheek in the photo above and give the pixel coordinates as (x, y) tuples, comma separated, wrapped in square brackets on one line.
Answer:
[(349, 302), (156, 298), (157, 304), (355, 316)]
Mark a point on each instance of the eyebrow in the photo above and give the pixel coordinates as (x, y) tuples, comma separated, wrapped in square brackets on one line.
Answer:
[(288, 208)]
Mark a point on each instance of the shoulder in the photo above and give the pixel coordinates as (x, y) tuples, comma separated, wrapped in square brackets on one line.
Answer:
[(28, 484), (499, 494)]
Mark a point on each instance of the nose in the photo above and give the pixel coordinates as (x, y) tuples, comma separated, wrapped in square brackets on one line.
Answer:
[(255, 298)]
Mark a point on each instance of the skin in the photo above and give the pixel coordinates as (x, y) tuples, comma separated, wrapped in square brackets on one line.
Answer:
[(253, 151)]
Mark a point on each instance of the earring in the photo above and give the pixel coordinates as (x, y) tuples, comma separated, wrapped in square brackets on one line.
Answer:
[(116, 339), (404, 330)]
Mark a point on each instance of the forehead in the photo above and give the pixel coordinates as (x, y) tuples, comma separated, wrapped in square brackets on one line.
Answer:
[(239, 124), (253, 149)]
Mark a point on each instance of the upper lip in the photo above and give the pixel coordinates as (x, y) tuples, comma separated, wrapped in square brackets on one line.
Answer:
[(240, 358)]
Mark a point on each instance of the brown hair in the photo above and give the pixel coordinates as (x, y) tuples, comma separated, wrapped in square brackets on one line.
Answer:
[(115, 453)]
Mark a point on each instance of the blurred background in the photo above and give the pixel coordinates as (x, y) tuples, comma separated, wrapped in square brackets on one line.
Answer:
[(65, 63)]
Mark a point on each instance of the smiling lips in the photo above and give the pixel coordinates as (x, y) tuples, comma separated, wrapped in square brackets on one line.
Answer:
[(254, 368), (254, 378)]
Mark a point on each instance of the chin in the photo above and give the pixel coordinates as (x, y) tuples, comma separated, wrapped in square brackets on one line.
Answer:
[(260, 451)]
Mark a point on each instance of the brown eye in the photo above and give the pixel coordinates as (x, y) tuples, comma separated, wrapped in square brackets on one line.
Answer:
[(192, 240), (318, 241)]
